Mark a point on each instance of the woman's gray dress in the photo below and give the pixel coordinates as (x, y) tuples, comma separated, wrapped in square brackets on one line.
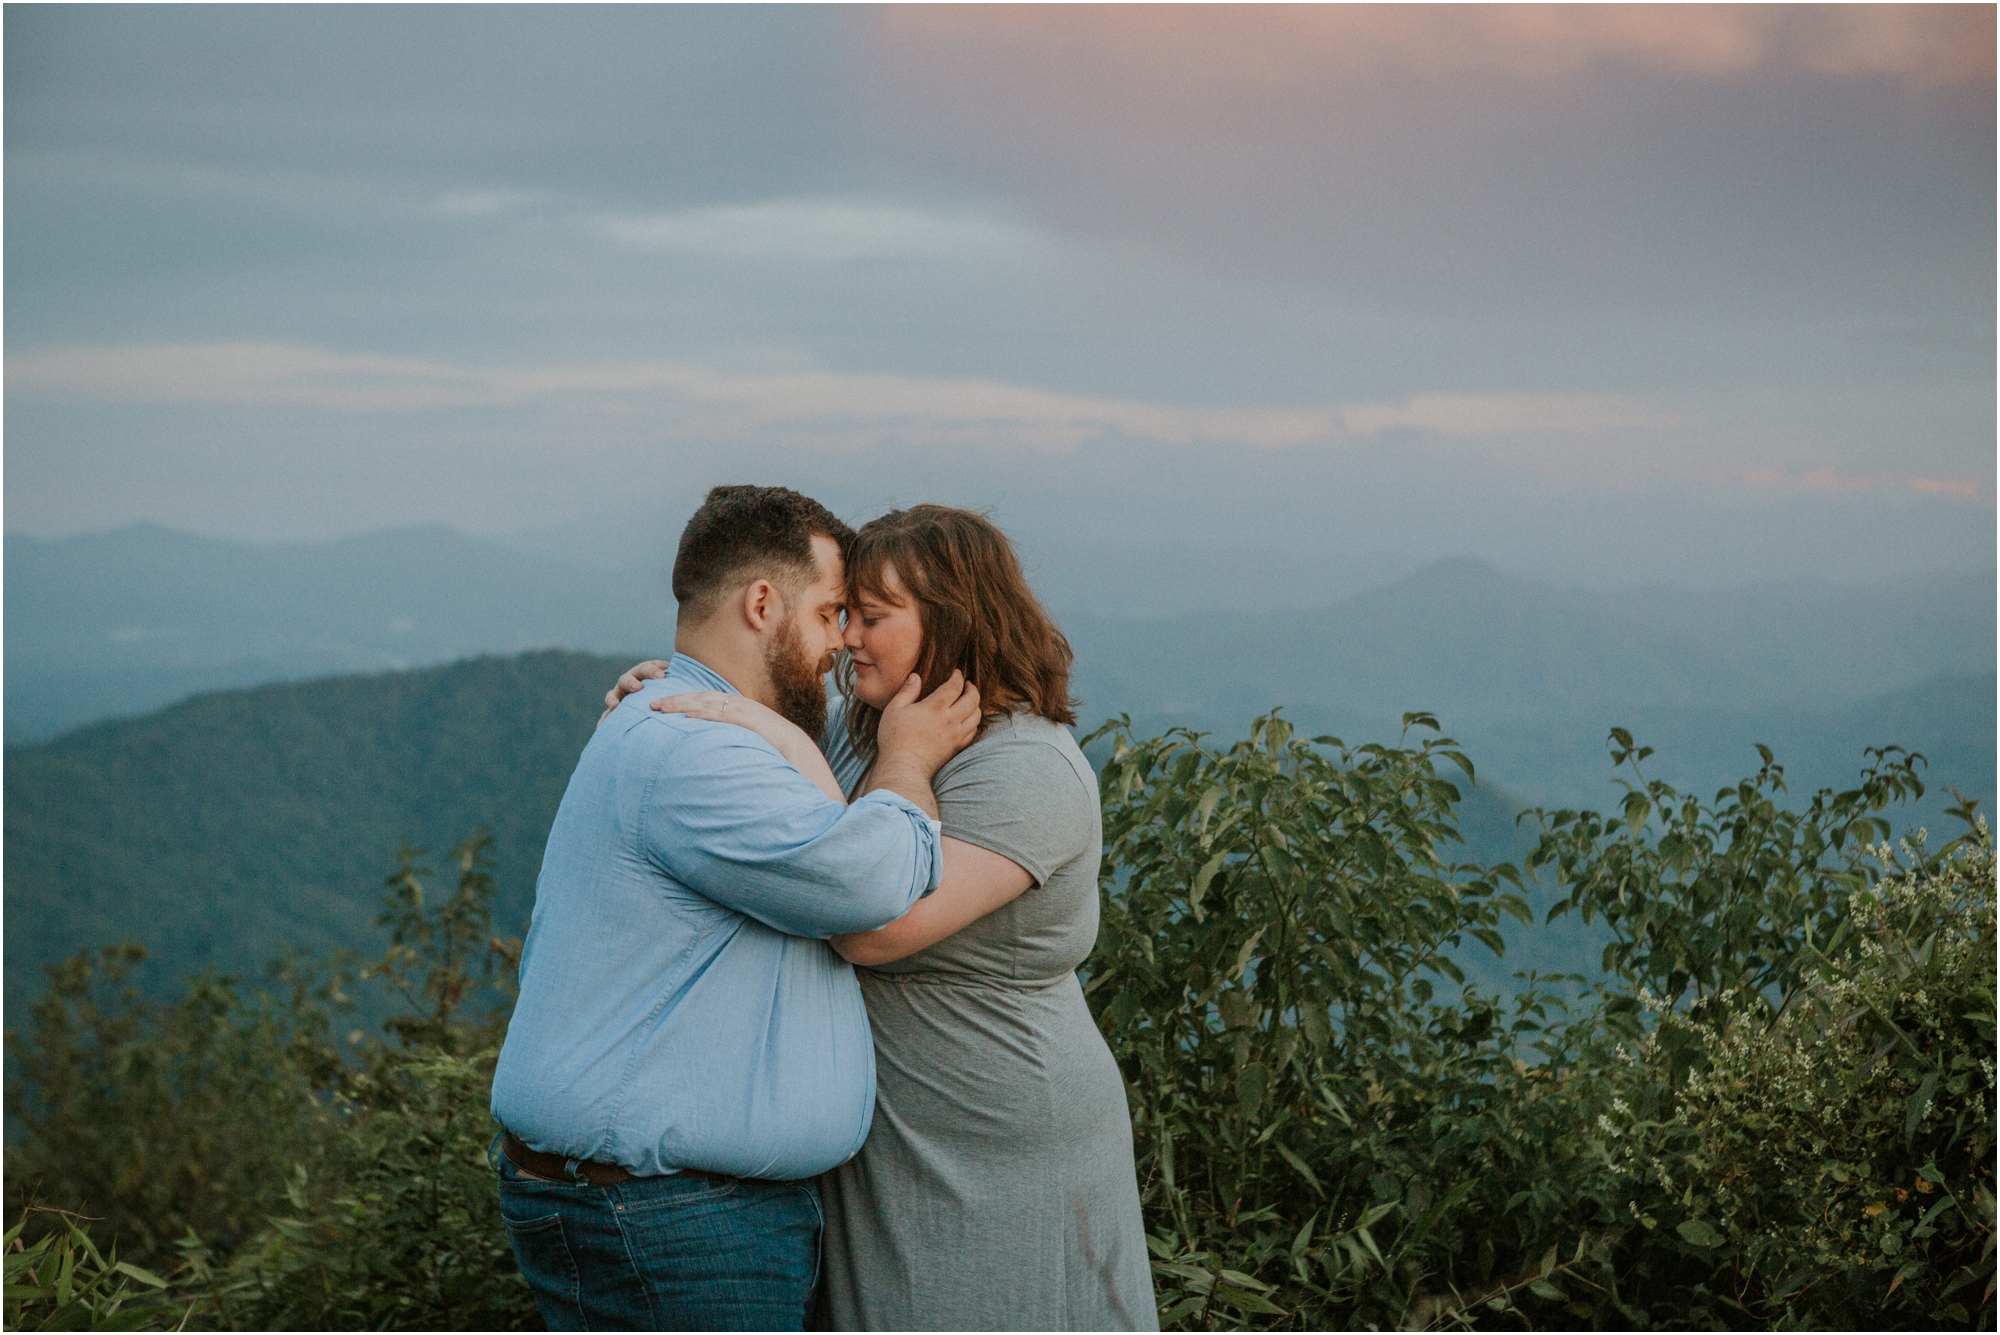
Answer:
[(996, 1189)]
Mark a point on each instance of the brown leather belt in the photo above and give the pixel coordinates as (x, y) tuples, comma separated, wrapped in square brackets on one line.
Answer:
[(556, 1168)]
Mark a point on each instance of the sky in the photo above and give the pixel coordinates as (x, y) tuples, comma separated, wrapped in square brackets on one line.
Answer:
[(1677, 295)]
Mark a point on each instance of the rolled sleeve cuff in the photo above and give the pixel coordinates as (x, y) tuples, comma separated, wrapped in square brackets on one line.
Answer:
[(929, 836)]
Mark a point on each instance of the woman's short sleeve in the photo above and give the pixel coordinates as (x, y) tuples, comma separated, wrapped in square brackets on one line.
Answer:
[(1021, 797)]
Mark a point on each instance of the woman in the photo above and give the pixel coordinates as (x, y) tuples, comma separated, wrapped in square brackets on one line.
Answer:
[(996, 1189)]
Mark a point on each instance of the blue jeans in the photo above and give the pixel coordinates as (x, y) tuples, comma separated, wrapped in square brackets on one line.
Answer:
[(664, 1253)]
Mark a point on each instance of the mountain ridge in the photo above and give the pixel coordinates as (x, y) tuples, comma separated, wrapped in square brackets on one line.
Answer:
[(227, 827), (205, 613)]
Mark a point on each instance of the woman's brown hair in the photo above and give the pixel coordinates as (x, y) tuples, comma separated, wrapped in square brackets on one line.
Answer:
[(978, 614)]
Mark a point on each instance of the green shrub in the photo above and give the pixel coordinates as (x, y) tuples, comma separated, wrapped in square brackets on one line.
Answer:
[(156, 1119), (225, 1139), (61, 1281), (1777, 1113), (1332, 1132), (398, 1225), (403, 1230), (1833, 1166), (1736, 896)]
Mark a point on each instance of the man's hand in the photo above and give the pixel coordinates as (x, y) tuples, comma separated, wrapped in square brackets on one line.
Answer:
[(650, 670), (916, 737)]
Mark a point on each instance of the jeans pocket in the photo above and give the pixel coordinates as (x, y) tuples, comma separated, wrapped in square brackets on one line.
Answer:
[(679, 1192), (810, 1190), (542, 1251)]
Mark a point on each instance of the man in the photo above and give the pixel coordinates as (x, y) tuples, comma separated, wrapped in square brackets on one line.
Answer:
[(687, 1053)]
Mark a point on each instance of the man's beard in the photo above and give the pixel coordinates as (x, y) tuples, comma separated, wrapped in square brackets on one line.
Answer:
[(796, 680)]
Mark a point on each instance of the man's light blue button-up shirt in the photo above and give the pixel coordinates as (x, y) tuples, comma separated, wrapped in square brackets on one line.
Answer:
[(679, 1005)]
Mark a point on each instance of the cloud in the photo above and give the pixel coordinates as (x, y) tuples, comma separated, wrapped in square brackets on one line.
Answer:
[(247, 373), (1960, 487), (810, 229), (1209, 50), (484, 203), (1499, 414), (1596, 159), (1563, 439), (1832, 481), (831, 407)]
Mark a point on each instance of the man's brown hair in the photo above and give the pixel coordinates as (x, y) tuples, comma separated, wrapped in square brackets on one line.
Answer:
[(745, 533), (977, 611)]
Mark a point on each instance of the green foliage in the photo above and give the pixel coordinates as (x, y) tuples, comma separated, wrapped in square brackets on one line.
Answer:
[(441, 956), (308, 1191), (1777, 1113), (398, 1226), (1329, 1128), (402, 1230), (61, 1281), (1836, 1164), (1706, 899), (160, 1118), (1332, 1132)]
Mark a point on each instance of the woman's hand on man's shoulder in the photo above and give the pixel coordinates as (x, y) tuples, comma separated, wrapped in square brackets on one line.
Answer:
[(635, 676)]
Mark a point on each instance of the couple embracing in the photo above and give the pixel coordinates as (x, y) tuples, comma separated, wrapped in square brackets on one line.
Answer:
[(712, 1118)]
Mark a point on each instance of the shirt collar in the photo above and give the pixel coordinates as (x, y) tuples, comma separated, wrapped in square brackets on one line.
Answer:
[(699, 675)]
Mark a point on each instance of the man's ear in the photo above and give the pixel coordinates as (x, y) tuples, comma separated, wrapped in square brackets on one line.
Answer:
[(760, 604)]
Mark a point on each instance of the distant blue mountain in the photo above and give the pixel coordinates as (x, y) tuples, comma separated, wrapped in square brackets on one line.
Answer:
[(122, 623), (1529, 674), (222, 827), (1532, 677)]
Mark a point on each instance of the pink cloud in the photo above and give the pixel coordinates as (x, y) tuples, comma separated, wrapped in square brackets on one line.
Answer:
[(833, 406), (1449, 154), (1827, 480), (1932, 486), (1205, 52)]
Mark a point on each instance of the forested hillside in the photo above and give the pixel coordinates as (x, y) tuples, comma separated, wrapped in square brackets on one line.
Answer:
[(233, 825), (225, 828)]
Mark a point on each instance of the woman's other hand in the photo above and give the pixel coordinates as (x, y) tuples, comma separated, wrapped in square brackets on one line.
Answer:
[(726, 707), (915, 737), (926, 733), (788, 737), (650, 670)]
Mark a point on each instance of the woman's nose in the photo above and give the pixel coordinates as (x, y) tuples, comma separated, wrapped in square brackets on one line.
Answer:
[(850, 634)]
